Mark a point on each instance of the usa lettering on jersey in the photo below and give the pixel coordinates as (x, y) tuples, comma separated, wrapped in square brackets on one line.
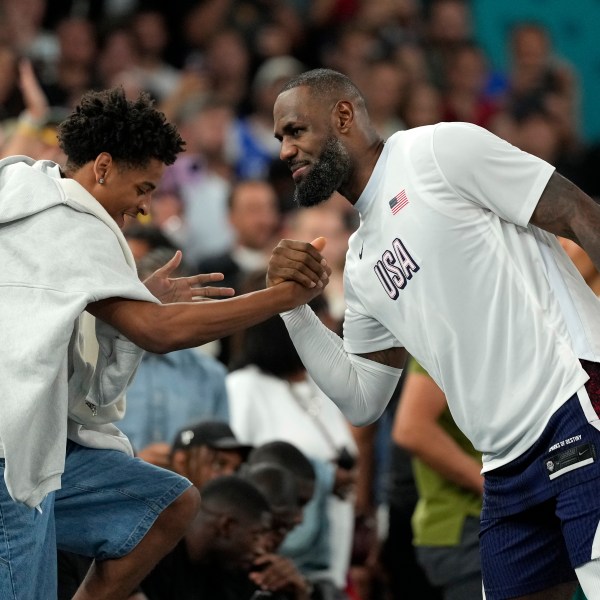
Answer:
[(395, 269)]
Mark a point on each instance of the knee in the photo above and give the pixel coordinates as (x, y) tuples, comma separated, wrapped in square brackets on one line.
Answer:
[(176, 518)]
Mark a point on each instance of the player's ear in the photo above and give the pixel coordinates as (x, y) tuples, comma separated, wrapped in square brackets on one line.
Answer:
[(344, 115), (102, 164)]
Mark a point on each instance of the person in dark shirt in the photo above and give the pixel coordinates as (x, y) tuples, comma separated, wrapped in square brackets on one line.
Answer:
[(212, 561)]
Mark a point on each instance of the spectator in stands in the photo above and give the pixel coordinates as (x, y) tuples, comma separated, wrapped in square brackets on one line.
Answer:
[(272, 398), (447, 24), (464, 94), (450, 487), (386, 87), (272, 571), (253, 212), (73, 71), (308, 544), (206, 450), (35, 131), (149, 28), (422, 105), (169, 390), (279, 484), (536, 74), (219, 549), (253, 143), (202, 177), (287, 456)]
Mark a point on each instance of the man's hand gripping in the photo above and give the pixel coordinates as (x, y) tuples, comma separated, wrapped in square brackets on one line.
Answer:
[(300, 262)]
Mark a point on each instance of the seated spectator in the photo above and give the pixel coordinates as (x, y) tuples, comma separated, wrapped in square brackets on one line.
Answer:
[(35, 131), (11, 101), (254, 144), (289, 457), (217, 553), (536, 74), (73, 71), (450, 486), (464, 96), (272, 571), (422, 105), (201, 452), (72, 569), (201, 178), (308, 544), (271, 397), (387, 84), (206, 450), (253, 212), (149, 28), (168, 390)]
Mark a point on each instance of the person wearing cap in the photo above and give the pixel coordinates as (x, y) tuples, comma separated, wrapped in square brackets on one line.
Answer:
[(206, 450)]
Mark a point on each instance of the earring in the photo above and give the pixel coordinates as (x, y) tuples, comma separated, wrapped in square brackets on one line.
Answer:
[(101, 181)]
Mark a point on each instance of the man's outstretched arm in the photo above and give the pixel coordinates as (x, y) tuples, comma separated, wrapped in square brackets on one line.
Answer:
[(162, 328), (360, 385)]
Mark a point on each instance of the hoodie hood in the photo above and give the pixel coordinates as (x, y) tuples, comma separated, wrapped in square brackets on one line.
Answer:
[(39, 185), (33, 182)]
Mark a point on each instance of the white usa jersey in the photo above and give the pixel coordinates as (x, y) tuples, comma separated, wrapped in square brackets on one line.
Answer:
[(445, 263)]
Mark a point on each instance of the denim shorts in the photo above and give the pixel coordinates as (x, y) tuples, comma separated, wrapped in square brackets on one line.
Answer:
[(107, 503)]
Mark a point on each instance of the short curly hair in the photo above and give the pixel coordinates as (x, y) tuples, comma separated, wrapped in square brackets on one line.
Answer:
[(132, 132)]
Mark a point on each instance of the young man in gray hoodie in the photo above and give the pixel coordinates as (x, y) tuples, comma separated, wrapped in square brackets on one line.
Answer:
[(69, 476)]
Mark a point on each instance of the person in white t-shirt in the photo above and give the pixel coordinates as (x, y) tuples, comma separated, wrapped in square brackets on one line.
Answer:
[(456, 262)]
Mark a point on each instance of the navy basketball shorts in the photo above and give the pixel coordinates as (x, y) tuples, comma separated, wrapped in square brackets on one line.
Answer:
[(541, 512)]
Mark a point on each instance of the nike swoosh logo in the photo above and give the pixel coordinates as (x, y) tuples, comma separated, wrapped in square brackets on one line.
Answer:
[(361, 251), (582, 452)]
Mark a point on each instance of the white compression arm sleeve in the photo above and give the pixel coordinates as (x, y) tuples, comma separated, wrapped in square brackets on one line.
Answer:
[(361, 388)]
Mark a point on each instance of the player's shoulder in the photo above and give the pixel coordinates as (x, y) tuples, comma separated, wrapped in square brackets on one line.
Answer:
[(422, 140), (456, 134)]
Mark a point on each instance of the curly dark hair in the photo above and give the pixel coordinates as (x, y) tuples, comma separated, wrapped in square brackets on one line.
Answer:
[(132, 132)]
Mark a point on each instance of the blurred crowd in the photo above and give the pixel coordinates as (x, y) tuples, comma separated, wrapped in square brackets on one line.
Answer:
[(296, 503)]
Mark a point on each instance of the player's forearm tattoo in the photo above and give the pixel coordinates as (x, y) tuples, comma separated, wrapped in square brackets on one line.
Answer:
[(558, 207)]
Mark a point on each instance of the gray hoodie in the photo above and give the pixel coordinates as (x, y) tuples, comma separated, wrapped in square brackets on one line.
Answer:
[(59, 251)]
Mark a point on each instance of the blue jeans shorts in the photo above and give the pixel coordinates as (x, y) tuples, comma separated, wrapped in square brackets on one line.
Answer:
[(541, 512), (107, 503)]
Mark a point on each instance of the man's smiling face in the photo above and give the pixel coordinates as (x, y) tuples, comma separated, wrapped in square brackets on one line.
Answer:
[(317, 158), (127, 191)]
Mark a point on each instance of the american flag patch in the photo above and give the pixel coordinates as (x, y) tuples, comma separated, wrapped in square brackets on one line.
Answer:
[(398, 202)]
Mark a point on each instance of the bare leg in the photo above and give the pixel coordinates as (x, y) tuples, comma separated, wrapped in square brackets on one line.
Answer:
[(116, 579)]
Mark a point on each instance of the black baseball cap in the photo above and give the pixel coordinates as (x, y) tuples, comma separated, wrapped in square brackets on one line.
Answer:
[(214, 434)]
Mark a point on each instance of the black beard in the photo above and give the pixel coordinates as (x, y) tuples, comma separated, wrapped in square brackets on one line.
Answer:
[(325, 176)]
